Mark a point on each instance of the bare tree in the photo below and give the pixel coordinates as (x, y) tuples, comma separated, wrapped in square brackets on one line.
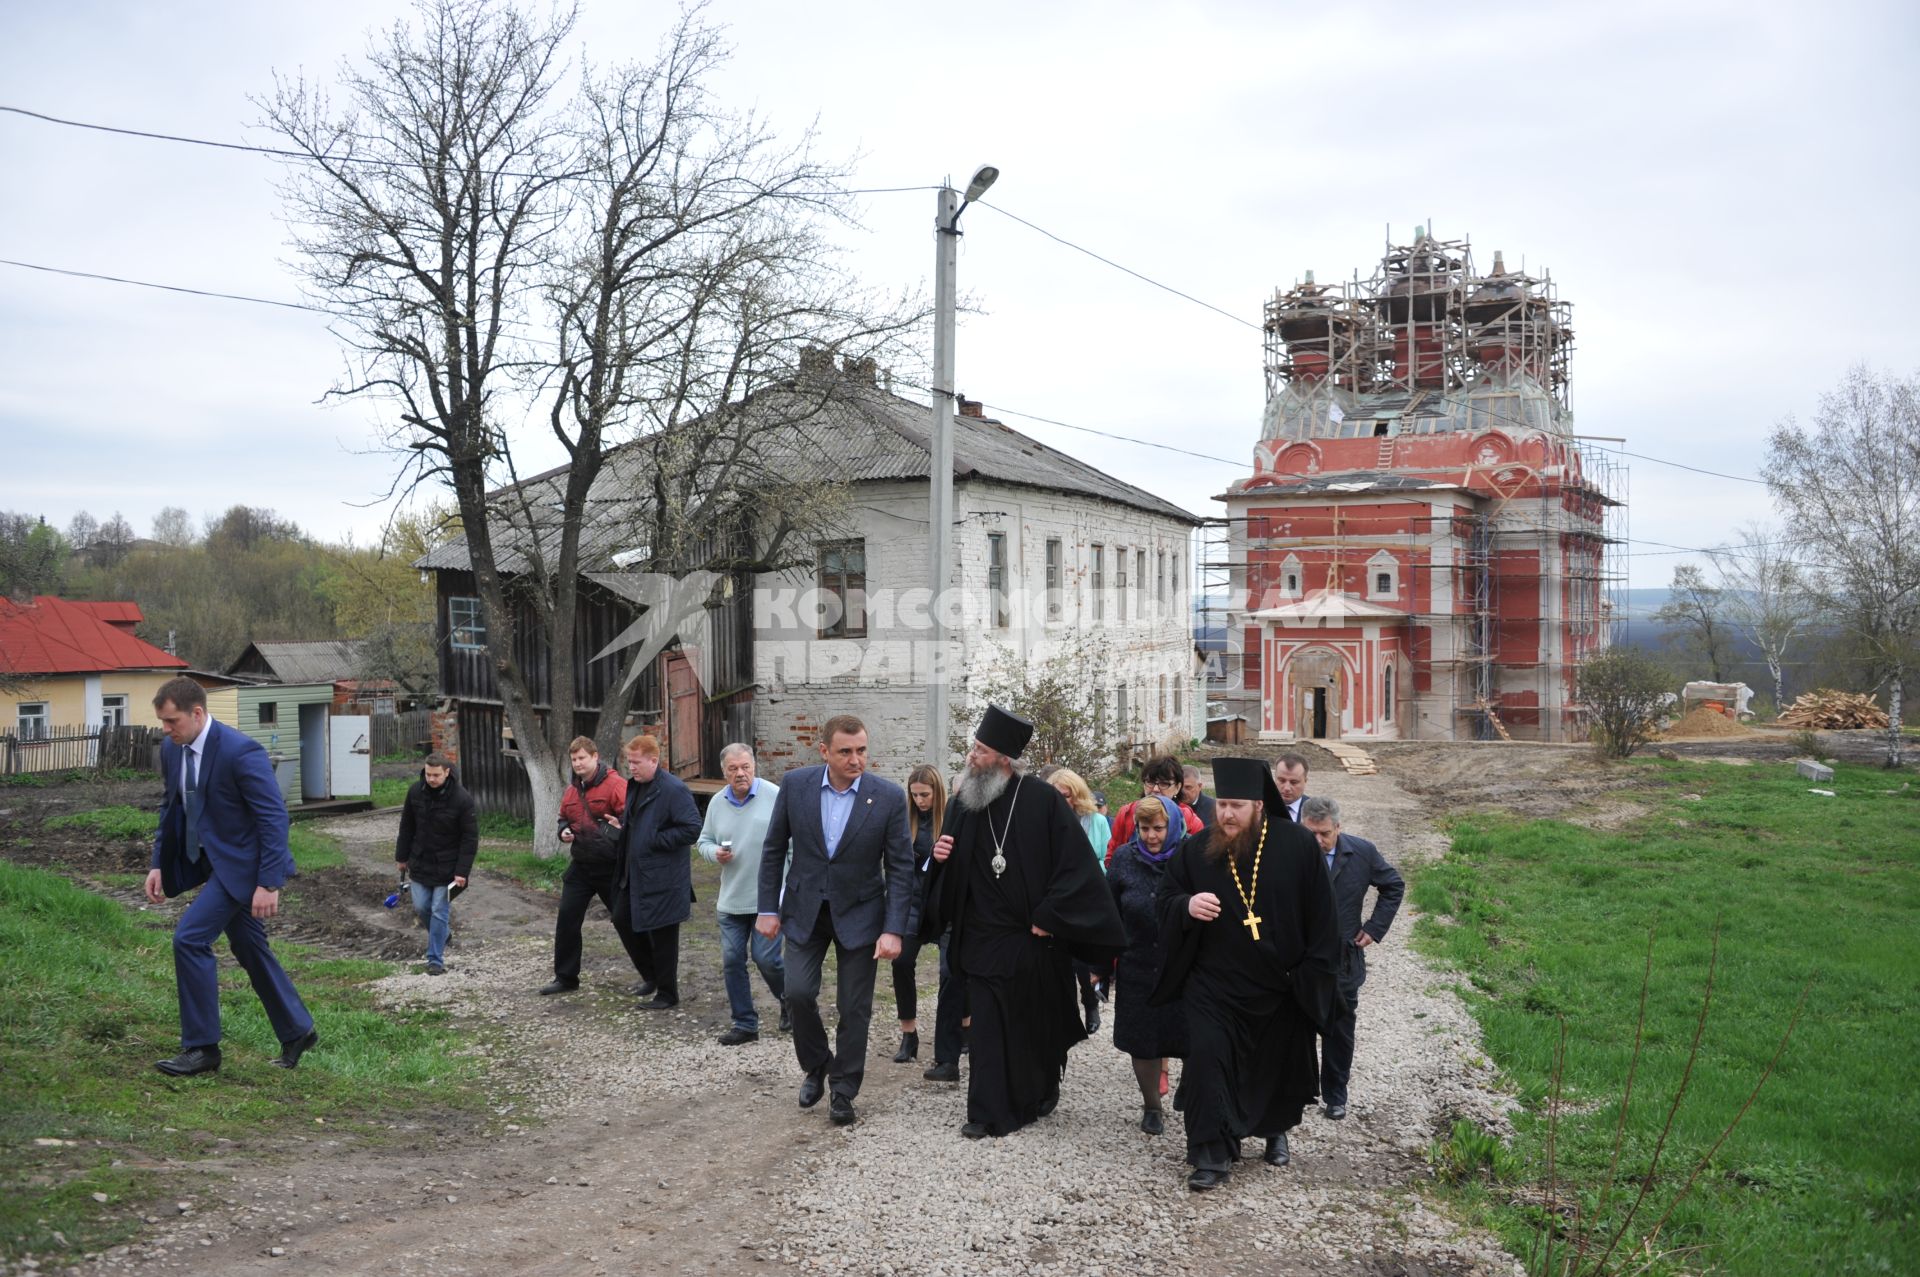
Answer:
[(1850, 489), (81, 530), (173, 526), (113, 541), (1764, 594), (633, 265), (1696, 612)]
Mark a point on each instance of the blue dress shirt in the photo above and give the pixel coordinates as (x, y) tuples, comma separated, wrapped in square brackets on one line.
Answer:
[(836, 808)]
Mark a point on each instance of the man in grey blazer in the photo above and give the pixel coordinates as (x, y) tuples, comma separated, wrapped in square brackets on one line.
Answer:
[(839, 837), (1353, 865)]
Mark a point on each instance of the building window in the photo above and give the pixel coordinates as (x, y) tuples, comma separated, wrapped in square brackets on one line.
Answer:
[(1120, 723), (843, 589), (113, 710), (1120, 582), (1383, 573), (32, 720), (1160, 578), (466, 625), (1140, 580), (1386, 693), (269, 713), (1163, 698), (1099, 715), (997, 578), (1099, 581), (1176, 698), (1291, 576), (1053, 579)]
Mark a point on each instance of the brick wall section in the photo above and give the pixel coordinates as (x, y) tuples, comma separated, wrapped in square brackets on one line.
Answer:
[(444, 728)]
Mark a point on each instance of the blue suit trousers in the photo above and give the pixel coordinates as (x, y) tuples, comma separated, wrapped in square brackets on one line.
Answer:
[(196, 973)]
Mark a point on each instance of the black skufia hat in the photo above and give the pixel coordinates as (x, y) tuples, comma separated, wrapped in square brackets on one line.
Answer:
[(1003, 732), (1247, 779)]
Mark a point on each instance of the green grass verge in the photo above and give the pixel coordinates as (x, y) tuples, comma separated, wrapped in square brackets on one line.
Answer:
[(391, 793), (90, 1005), (1549, 920), (500, 825), (311, 849), (523, 867)]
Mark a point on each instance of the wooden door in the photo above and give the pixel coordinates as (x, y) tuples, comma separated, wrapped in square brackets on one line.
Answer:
[(683, 716)]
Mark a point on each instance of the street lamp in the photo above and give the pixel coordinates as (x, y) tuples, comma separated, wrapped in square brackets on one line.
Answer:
[(948, 205)]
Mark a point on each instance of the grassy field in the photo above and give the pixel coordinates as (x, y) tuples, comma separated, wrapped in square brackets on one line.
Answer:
[(90, 1005), (1550, 920), (391, 792), (311, 849)]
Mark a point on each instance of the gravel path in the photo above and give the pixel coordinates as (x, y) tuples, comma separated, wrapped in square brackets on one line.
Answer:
[(623, 1141)]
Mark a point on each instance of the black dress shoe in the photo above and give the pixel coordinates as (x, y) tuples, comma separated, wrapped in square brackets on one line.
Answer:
[(1093, 1017), (645, 989), (975, 1131), (1048, 1105), (943, 1071), (812, 1089), (840, 1109), (192, 1060), (1153, 1121), (909, 1049), (290, 1052), (735, 1037), (660, 1002), (558, 985), (786, 1017), (1336, 1112), (1276, 1154), (1204, 1180)]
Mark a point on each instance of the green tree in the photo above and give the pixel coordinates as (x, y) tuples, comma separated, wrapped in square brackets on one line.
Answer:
[(1624, 691), (33, 556), (380, 599), (1695, 614), (1055, 693)]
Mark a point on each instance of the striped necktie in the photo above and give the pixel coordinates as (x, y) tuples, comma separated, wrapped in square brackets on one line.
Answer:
[(193, 808)]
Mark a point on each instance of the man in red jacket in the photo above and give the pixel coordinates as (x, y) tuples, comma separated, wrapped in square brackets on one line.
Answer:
[(590, 814)]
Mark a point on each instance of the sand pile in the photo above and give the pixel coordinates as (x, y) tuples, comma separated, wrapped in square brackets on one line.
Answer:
[(1700, 722)]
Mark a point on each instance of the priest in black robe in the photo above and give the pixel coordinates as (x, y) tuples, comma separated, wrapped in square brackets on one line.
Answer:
[(1249, 945), (1014, 876)]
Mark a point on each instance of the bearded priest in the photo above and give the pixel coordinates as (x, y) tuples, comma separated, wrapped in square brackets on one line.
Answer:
[(1015, 877), (1248, 943)]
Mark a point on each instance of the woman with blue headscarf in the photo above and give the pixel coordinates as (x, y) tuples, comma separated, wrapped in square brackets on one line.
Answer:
[(1149, 1034)]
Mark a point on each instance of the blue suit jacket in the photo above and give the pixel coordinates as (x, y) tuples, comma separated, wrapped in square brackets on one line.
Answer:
[(243, 819), (869, 883)]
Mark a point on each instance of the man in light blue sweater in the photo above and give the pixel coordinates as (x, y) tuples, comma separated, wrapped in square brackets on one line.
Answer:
[(732, 838)]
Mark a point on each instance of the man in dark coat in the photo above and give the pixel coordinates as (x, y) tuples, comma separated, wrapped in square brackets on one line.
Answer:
[(655, 893), (1290, 780), (1354, 864), (1193, 793), (1248, 939), (836, 872), (1012, 877), (439, 837)]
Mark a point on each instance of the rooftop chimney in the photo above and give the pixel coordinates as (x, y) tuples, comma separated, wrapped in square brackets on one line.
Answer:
[(972, 407)]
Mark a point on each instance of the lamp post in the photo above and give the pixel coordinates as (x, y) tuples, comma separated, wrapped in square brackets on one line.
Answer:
[(948, 205)]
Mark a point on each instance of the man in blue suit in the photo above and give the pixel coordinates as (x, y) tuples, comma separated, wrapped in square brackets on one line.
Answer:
[(839, 838), (223, 825)]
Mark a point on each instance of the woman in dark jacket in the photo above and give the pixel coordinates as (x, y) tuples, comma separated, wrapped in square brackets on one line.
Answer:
[(1147, 1033), (656, 847), (926, 804)]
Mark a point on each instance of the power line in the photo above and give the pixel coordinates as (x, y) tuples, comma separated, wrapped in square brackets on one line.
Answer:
[(1128, 270), (168, 288), (376, 162)]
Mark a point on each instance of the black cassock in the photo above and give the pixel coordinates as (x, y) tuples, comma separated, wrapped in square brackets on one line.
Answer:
[(1020, 987), (1252, 1005)]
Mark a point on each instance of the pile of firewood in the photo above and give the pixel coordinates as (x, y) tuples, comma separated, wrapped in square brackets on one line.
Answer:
[(1829, 710)]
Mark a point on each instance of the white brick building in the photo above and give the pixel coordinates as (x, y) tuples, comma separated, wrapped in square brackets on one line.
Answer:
[(1052, 556)]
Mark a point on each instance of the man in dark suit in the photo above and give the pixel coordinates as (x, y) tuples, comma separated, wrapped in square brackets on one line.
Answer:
[(224, 825), (1290, 778), (1193, 793), (1353, 864), (840, 838), (655, 892)]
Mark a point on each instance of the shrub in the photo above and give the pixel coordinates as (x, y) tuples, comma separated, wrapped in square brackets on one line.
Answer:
[(1623, 690)]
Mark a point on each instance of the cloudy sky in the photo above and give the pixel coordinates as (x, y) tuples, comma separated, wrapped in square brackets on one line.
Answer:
[(1726, 192)]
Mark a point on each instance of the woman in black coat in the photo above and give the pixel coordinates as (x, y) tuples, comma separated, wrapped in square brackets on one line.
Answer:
[(1147, 1033)]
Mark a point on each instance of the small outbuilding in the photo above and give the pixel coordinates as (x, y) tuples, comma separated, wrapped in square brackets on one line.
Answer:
[(316, 754)]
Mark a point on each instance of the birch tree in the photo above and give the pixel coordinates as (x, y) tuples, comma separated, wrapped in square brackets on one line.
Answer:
[(1764, 592), (1849, 486)]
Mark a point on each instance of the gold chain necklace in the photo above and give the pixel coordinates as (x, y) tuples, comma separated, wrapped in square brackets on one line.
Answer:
[(1252, 921)]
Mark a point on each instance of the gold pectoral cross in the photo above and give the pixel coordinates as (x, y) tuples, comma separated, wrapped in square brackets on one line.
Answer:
[(1252, 923)]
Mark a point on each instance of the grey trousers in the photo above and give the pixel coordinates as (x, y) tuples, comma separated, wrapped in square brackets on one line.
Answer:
[(846, 1064)]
